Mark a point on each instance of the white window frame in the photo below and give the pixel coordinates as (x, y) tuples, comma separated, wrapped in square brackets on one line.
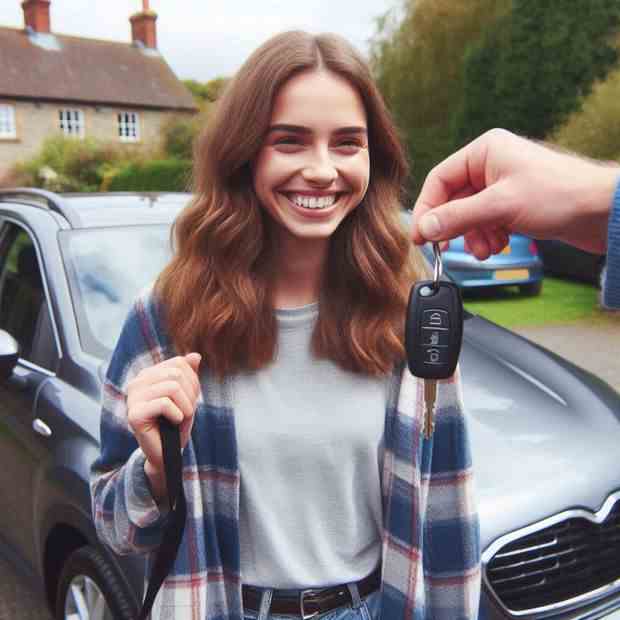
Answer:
[(8, 126), (128, 126), (71, 122)]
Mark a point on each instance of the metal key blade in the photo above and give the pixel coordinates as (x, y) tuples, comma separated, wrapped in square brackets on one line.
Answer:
[(430, 396)]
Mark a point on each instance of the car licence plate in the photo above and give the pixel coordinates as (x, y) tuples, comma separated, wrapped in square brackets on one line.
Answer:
[(512, 274)]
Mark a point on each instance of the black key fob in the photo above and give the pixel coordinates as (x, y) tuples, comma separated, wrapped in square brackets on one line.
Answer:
[(434, 329)]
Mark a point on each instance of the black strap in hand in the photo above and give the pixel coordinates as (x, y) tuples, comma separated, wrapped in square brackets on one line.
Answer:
[(173, 532)]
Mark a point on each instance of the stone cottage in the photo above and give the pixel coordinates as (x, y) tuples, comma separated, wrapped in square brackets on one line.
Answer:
[(54, 84)]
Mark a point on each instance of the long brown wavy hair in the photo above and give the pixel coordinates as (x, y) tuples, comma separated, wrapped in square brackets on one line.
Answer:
[(217, 290)]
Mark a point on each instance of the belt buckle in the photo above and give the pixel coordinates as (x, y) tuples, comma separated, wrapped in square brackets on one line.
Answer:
[(304, 615)]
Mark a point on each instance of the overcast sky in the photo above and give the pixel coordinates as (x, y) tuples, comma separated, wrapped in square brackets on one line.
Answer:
[(203, 39)]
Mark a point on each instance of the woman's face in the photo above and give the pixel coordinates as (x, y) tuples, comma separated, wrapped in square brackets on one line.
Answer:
[(313, 167)]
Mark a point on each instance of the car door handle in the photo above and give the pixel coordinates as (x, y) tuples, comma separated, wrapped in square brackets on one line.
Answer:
[(41, 427)]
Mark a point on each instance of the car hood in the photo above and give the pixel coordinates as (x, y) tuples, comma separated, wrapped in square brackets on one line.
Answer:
[(544, 433)]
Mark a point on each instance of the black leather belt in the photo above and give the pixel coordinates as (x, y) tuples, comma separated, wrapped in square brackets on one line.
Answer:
[(312, 602)]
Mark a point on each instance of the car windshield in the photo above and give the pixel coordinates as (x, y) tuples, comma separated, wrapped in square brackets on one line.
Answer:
[(107, 269)]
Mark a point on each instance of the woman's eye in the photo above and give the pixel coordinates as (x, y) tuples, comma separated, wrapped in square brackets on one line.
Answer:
[(350, 144), (287, 140)]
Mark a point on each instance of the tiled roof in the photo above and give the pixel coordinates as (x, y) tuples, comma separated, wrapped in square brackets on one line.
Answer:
[(67, 68)]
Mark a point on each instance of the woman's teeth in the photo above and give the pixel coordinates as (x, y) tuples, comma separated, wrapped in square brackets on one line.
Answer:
[(312, 202)]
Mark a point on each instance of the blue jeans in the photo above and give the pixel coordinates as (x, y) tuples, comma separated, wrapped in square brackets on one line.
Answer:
[(368, 608)]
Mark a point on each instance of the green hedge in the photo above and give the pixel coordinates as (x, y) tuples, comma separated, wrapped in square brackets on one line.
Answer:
[(65, 164), (163, 175)]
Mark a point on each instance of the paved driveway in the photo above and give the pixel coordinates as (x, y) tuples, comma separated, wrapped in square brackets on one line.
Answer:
[(17, 600), (595, 348)]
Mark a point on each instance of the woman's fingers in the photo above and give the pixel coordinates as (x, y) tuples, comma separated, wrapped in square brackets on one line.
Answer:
[(176, 370), (143, 420), (171, 389), (146, 412)]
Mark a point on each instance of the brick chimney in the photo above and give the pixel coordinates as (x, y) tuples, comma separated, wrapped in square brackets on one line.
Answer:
[(37, 15), (143, 26)]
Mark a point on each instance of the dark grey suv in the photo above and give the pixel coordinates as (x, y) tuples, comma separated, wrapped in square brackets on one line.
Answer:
[(545, 434)]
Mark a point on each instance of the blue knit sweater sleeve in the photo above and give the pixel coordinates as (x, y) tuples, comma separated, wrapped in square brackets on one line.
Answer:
[(611, 286)]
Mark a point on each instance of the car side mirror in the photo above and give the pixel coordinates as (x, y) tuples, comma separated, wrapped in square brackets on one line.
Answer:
[(9, 354)]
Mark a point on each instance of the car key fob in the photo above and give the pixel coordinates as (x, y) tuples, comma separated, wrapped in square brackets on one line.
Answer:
[(434, 326)]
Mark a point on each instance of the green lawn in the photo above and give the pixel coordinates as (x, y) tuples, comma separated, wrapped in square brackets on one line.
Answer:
[(561, 302)]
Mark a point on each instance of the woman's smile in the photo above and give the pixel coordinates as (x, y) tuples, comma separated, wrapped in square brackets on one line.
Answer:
[(314, 205)]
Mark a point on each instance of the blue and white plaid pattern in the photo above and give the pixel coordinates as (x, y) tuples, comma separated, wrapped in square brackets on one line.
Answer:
[(611, 287), (431, 549)]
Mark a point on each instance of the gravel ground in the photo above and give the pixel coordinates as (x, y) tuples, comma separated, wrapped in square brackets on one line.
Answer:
[(595, 348)]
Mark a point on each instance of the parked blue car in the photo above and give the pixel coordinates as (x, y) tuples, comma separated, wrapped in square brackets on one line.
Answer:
[(518, 264)]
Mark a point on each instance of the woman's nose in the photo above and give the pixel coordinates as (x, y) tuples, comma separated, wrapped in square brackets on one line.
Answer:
[(320, 169)]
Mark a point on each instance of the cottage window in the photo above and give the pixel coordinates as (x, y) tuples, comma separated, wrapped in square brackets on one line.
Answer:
[(72, 122), (7, 121), (129, 126)]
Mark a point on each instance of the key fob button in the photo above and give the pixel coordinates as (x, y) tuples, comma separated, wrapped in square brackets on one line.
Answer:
[(433, 356), (436, 318), (435, 337)]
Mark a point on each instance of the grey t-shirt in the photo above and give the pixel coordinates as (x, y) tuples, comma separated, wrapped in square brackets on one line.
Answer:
[(310, 443)]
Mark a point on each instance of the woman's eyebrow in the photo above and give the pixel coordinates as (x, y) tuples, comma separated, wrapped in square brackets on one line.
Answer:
[(306, 130)]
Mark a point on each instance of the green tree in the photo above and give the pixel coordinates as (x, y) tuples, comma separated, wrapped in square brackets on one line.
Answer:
[(417, 58), (594, 130), (206, 91), (178, 134), (535, 66)]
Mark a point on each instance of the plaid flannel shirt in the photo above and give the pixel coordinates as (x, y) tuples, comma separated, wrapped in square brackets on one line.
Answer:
[(611, 287), (431, 549)]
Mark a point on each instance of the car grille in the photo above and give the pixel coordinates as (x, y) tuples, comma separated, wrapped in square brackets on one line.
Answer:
[(569, 559)]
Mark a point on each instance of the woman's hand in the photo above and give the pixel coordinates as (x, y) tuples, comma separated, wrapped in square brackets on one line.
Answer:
[(170, 388)]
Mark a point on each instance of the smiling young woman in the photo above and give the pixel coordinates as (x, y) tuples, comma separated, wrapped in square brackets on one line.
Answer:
[(310, 487), (278, 129)]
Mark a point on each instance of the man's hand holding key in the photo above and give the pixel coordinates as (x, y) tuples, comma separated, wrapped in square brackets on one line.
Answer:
[(502, 183)]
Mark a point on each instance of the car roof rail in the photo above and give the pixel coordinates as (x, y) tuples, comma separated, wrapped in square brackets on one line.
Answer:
[(40, 197)]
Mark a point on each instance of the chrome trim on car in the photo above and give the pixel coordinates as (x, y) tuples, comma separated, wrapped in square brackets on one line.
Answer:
[(32, 366), (546, 610), (507, 554), (41, 427)]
